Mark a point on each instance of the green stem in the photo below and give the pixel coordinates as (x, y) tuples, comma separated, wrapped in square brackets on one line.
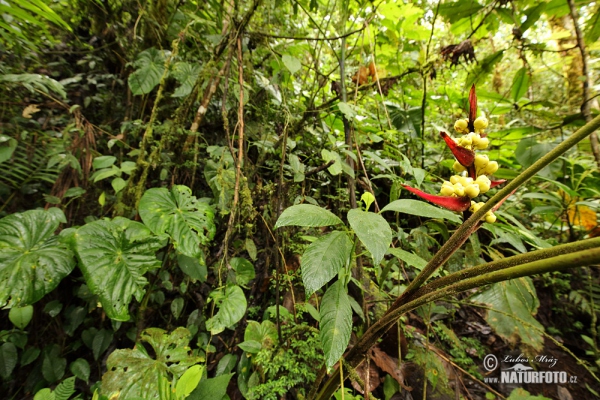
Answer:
[(558, 263)]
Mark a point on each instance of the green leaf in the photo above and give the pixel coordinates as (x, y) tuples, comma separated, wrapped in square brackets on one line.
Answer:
[(103, 162), (118, 184), (192, 267), (102, 340), (105, 173), (409, 258), (232, 308), (323, 259), (347, 110), (421, 209), (177, 307), (336, 167), (250, 346), (251, 249), (8, 359), (29, 355), (189, 381), (65, 389), (367, 198), (336, 323), (114, 256), (177, 213), (133, 372), (244, 270), (592, 27), (522, 394), (528, 151), (81, 369), (186, 75), (516, 303), (457, 10), (32, 260), (44, 394), (373, 231), (307, 215), (20, 316), (7, 148), (149, 70), (213, 388), (53, 365), (520, 84), (291, 63), (533, 14)]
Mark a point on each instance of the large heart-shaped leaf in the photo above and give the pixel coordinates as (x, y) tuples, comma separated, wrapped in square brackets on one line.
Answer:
[(323, 259), (133, 373), (150, 66), (336, 323), (114, 256), (232, 307), (186, 75), (373, 231), (32, 260), (177, 213)]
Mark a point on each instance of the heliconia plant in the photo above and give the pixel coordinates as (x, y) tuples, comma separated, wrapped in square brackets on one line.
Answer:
[(472, 169)]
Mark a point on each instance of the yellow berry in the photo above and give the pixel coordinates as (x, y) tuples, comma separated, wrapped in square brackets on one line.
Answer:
[(484, 183), (454, 179), (466, 140), (490, 218), (461, 126), (458, 167), (459, 190), (472, 190), (447, 190), (481, 161), (482, 143), (491, 167), (480, 124)]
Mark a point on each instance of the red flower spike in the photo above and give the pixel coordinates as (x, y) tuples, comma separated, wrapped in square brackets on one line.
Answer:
[(498, 182), (464, 156), (472, 108), (458, 204)]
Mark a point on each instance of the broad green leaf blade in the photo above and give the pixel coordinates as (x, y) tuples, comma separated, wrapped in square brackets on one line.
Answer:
[(244, 270), (373, 231), (102, 340), (177, 213), (133, 373), (592, 26), (149, 69), (44, 394), (114, 256), (20, 316), (8, 359), (231, 309), (336, 167), (516, 303), (186, 75), (291, 63), (81, 369), (307, 215), (421, 209), (32, 260), (65, 389), (409, 258), (53, 365), (213, 388), (323, 259), (336, 323), (189, 381), (520, 84), (192, 267)]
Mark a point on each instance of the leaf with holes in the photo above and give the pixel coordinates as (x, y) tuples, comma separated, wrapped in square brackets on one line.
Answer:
[(32, 260), (323, 259), (150, 66), (114, 256), (180, 215), (133, 372), (373, 231), (336, 323)]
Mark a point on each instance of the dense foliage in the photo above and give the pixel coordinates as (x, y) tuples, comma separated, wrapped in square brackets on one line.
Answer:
[(212, 200)]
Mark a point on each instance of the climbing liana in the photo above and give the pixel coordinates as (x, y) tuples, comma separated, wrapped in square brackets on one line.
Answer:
[(472, 169)]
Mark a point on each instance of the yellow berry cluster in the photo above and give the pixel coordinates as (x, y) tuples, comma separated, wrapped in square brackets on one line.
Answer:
[(461, 185)]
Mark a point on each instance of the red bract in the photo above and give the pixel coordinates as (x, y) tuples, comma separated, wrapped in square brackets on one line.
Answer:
[(451, 203), (464, 156), (496, 183), (472, 108)]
